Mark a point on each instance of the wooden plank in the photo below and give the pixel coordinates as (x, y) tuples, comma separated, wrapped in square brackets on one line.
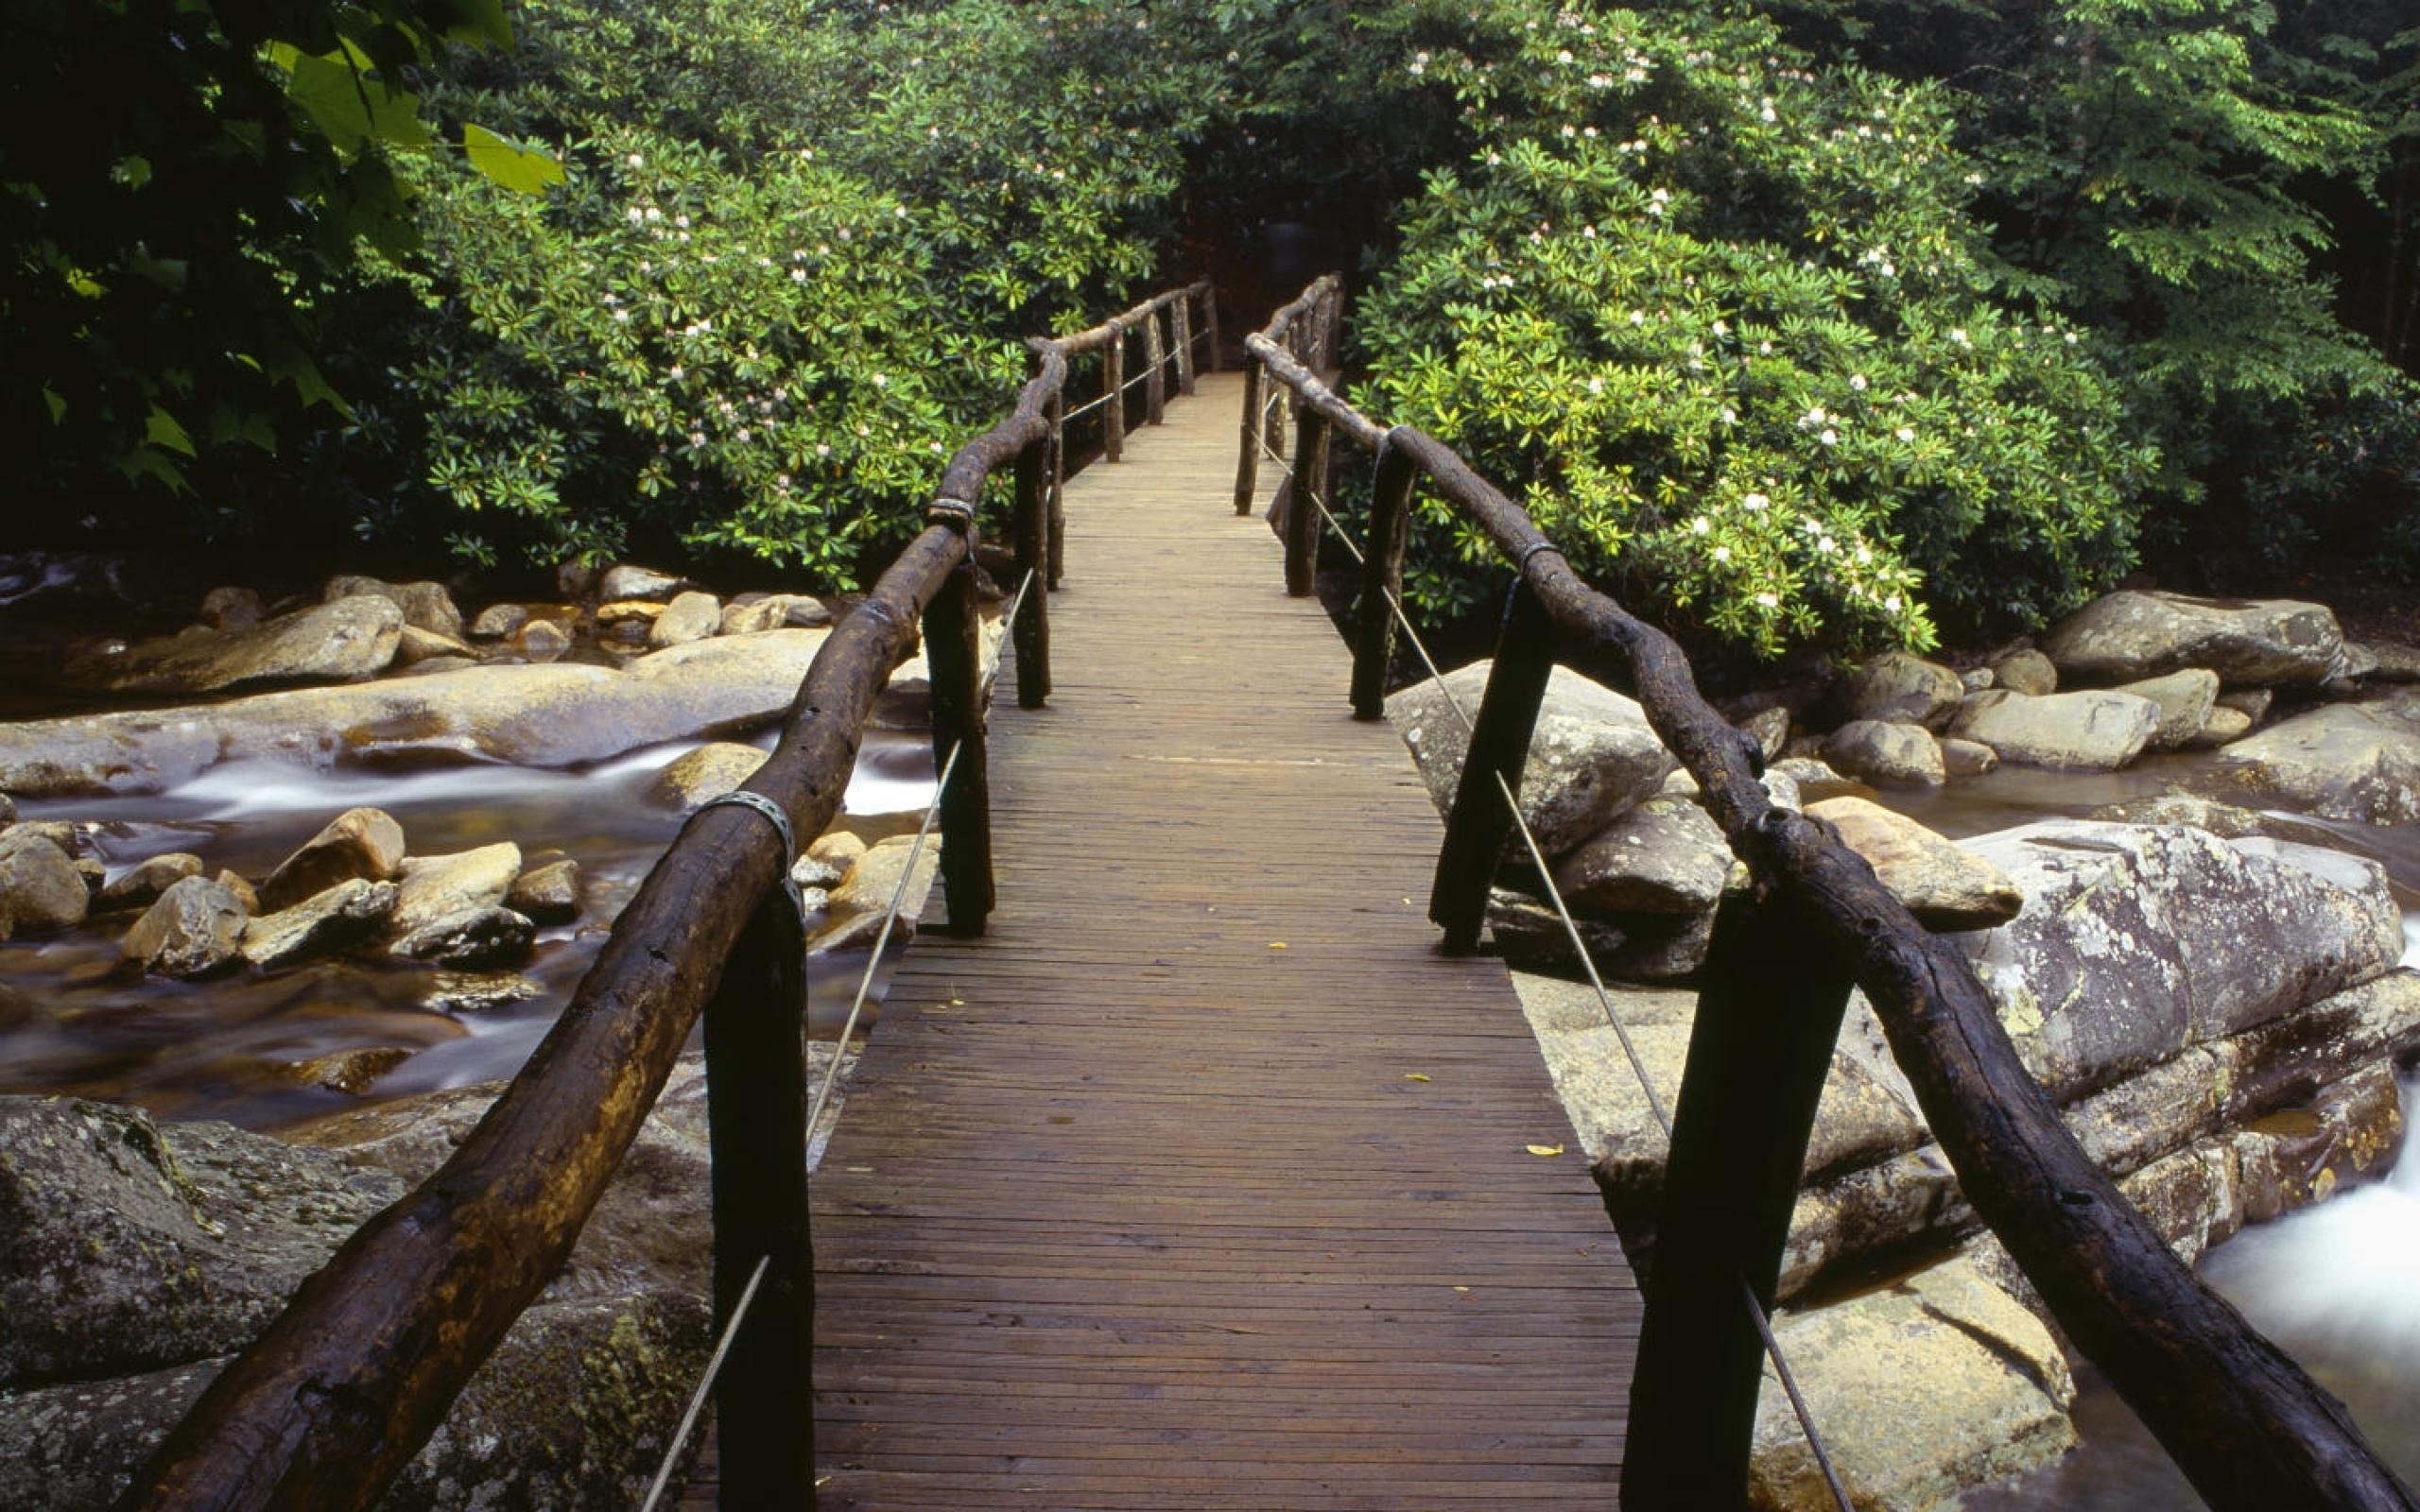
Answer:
[(1131, 1208)]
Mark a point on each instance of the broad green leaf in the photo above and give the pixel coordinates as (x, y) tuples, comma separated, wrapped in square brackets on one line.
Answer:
[(526, 170), (351, 108), (163, 430)]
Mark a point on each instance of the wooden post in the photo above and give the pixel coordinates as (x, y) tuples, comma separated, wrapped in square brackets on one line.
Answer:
[(1210, 328), (1767, 1015), (954, 654), (1373, 643), (1302, 502), (1058, 527), (1112, 408), (1247, 460), (1032, 626), (1275, 396), (1181, 324), (757, 1099), (1479, 824), (1155, 386)]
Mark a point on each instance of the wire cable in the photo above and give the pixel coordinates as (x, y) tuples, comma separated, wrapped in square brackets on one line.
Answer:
[(705, 1384)]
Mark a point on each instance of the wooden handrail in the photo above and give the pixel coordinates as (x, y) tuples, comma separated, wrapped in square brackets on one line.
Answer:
[(330, 1403), (2246, 1424)]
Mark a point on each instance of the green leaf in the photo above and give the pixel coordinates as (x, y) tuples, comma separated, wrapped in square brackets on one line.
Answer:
[(526, 170), (57, 406), (352, 108), (163, 430)]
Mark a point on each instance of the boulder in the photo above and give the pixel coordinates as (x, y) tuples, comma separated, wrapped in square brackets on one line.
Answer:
[(490, 936), (2184, 700), (479, 991), (1591, 756), (1770, 729), (1887, 755), (1815, 779), (1967, 758), (2132, 634), (773, 612), (836, 848), (40, 890), (497, 621), (439, 887), (542, 641), (1921, 1389), (819, 876), (1626, 947), (427, 606), (2028, 672), (548, 894), (1899, 688), (629, 582), (854, 913), (230, 608), (195, 929), (690, 616), (2358, 762), (707, 772), (2392, 661), (334, 643), (2077, 732), (624, 614), (1943, 886), (364, 842), (2223, 727), (2225, 820), (417, 645), (336, 919), (576, 580), (141, 885), (349, 1071), (2254, 703), (1665, 856), (1975, 679), (239, 889), (71, 839)]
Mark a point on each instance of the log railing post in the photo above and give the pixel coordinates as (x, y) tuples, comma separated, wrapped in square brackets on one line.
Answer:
[(1479, 826), (1210, 328), (1032, 626), (952, 654), (757, 1099), (1374, 642), (1181, 324), (1155, 386), (1112, 408), (1768, 1015), (1247, 460), (1303, 500), (1057, 553), (1274, 417)]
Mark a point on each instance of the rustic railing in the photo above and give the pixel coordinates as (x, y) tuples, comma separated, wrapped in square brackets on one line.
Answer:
[(2245, 1423), (330, 1403)]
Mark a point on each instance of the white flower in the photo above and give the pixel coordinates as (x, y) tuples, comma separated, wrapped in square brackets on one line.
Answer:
[(1767, 114), (635, 160), (1890, 605), (653, 213), (1763, 349), (1864, 554), (1768, 601), (1638, 317), (1857, 381), (1700, 525), (1958, 336), (1721, 329), (1728, 416), (1825, 546), (681, 221), (881, 380), (676, 373), (634, 215), (696, 437), (781, 480), (1829, 437), (1723, 552), (1814, 416), (1756, 501), (823, 449), (622, 316), (1906, 433), (798, 275), (1564, 57), (1661, 196), (1596, 385)]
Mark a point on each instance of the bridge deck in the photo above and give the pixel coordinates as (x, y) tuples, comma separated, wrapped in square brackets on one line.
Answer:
[(1136, 1203)]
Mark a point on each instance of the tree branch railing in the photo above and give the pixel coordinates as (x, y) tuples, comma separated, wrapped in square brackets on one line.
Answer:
[(2244, 1422), (326, 1407)]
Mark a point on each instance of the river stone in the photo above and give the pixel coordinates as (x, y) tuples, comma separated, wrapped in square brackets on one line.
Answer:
[(7, 811), (1899, 688), (2358, 762), (230, 608), (2184, 700), (2075, 731), (238, 889), (40, 890), (417, 645), (2225, 820), (548, 894), (351, 638), (1944, 887), (2393, 662), (708, 772), (2223, 727), (1665, 856), (2130, 635), (633, 582), (479, 991), (435, 888), (497, 621), (2028, 672), (491, 935), (691, 616), (363, 842), (125, 1246), (542, 641), (774, 612), (141, 885), (838, 847), (194, 930), (1815, 778), (2253, 701), (1591, 756), (1975, 680), (329, 920), (1967, 758), (1921, 1389), (349, 1071), (427, 606), (854, 914), (71, 839), (622, 615), (1527, 932), (817, 876), (1887, 755), (1770, 729)]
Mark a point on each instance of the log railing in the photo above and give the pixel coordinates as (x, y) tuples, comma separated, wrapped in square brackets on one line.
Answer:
[(330, 1403), (2245, 1423)]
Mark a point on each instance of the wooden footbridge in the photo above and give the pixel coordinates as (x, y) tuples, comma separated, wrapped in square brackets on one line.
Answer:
[(1184, 1169)]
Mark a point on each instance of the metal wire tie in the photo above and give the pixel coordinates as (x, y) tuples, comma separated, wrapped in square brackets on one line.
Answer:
[(957, 510), (1521, 563), (759, 803)]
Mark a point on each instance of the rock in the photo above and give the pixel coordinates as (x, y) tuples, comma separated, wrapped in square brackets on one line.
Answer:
[(542, 641), (479, 991), (1921, 1389), (230, 609), (1528, 933), (548, 894), (1815, 778), (2253, 701), (195, 929), (141, 885), (836, 848), (2132, 634), (576, 582), (820, 876), (417, 645), (1591, 757), (1665, 856), (40, 890), (2223, 727), (1887, 755), (436, 888), (707, 772), (2184, 700), (71, 839), (1770, 729), (427, 606), (2225, 820), (336, 918), (691, 616), (364, 842), (2028, 672), (1975, 679), (7, 811), (349, 1071), (351, 638), (127, 1246), (497, 621), (2393, 662), (472, 936), (239, 889), (773, 612), (1944, 887), (620, 614), (1967, 758), (2358, 762), (632, 582), (2087, 731), (856, 907), (520, 715), (1899, 688)]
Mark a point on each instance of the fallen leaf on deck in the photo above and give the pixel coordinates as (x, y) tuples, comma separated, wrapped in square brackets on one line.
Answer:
[(1546, 1149), (1413, 1076)]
